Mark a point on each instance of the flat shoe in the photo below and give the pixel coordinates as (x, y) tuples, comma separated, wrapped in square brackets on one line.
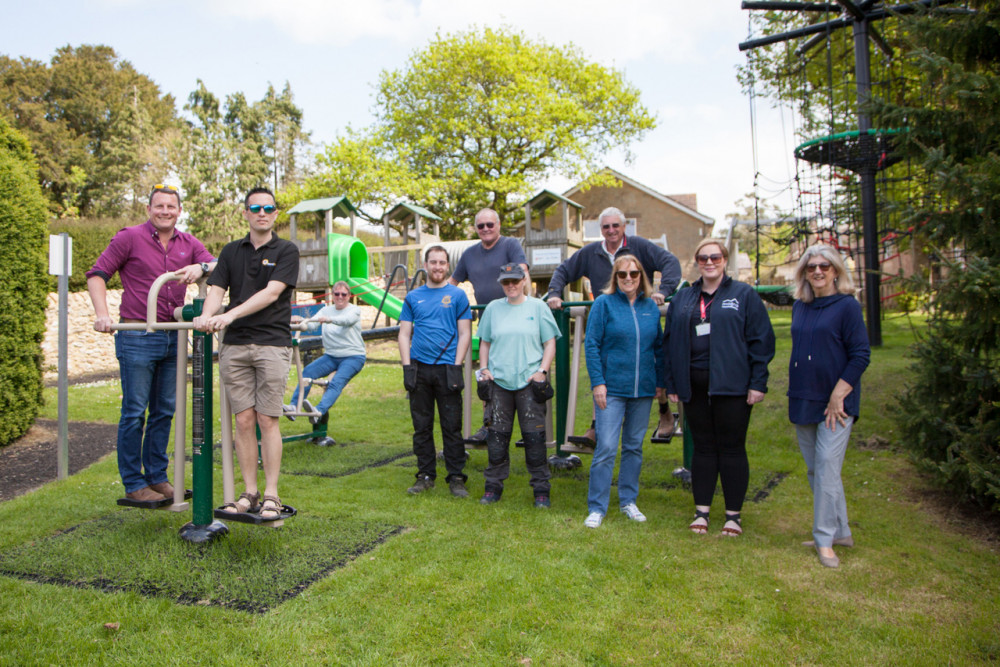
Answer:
[(163, 488), (828, 561), (838, 542)]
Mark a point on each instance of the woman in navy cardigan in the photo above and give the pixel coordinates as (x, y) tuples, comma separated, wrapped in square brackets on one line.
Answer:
[(623, 336), (830, 351), (718, 341)]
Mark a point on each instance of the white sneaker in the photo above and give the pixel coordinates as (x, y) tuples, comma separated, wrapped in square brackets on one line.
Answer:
[(593, 520), (632, 512), (286, 409)]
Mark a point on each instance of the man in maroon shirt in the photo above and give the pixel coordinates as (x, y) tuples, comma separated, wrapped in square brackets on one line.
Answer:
[(147, 360)]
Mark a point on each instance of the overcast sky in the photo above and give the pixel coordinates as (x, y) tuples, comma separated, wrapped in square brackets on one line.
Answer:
[(681, 54)]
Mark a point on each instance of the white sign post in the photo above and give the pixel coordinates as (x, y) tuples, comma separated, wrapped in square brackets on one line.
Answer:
[(61, 264)]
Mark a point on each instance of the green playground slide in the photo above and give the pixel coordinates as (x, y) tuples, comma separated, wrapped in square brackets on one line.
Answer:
[(372, 295), (347, 259)]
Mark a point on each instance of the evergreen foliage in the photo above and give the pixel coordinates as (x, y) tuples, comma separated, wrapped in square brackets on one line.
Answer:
[(23, 280), (950, 415), (100, 130)]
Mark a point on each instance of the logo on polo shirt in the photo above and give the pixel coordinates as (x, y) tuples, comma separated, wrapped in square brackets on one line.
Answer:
[(733, 304), (446, 300), (267, 262)]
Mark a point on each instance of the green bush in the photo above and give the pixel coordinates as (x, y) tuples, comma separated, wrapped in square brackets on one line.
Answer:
[(90, 237), (23, 280)]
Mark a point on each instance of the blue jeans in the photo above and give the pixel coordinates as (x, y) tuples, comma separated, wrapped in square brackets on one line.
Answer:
[(147, 362), (628, 417), (345, 367), (824, 451)]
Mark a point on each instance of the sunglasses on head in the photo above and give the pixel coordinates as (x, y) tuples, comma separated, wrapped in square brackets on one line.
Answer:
[(622, 275), (611, 225), (822, 266), (164, 186), (715, 258), (485, 225), (257, 208)]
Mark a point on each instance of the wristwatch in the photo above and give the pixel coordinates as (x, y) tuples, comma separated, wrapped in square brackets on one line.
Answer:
[(204, 267)]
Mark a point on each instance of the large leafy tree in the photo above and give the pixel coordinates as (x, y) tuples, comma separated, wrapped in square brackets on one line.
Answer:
[(232, 147), (99, 129), (478, 119)]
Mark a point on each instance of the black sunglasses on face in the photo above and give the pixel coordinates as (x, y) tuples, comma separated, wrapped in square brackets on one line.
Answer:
[(715, 258), (628, 274), (613, 225), (485, 225), (257, 208)]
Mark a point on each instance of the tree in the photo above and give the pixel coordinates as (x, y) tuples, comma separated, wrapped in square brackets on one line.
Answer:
[(950, 413), (480, 118), (229, 149), (23, 282), (99, 129)]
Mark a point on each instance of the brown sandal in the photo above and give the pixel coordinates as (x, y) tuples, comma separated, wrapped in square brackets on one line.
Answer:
[(275, 508), (253, 504)]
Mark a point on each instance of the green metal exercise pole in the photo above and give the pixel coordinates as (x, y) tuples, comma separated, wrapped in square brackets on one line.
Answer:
[(562, 377), (203, 527)]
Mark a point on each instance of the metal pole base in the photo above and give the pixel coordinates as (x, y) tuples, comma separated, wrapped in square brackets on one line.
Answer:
[(204, 534), (565, 462)]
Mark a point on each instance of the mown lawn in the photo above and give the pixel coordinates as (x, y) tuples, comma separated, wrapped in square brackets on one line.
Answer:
[(398, 579)]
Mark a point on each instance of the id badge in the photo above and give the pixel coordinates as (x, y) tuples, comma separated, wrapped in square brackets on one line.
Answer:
[(703, 329)]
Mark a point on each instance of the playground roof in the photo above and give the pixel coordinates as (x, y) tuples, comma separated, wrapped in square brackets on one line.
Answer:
[(546, 198), (402, 206), (340, 206)]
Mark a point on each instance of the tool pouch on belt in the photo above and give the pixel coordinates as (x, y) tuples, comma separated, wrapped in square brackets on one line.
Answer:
[(455, 377), (541, 391), (484, 389), (409, 377)]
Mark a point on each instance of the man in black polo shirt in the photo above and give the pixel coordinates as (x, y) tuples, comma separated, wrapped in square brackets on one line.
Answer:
[(259, 271)]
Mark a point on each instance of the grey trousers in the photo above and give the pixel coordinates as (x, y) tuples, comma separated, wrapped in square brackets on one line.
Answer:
[(824, 451), (531, 418)]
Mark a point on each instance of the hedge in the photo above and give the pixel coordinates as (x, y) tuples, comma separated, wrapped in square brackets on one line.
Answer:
[(23, 285)]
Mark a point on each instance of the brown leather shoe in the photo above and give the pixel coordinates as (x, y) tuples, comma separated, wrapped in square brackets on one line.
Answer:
[(163, 488), (145, 494)]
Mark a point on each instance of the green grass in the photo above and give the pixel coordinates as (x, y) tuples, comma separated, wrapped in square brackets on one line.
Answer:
[(508, 584)]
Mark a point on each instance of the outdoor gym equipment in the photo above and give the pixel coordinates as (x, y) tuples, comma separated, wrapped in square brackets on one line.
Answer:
[(202, 527)]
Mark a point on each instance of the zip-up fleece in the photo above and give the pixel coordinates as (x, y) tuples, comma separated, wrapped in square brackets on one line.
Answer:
[(829, 343), (741, 345), (624, 345)]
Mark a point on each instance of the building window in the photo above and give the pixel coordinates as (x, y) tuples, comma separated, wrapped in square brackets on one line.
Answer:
[(592, 229)]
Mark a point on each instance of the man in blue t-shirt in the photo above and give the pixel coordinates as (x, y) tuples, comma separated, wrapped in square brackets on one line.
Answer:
[(435, 329), (480, 265)]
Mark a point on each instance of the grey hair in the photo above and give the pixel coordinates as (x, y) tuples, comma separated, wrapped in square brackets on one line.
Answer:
[(843, 280), (612, 212)]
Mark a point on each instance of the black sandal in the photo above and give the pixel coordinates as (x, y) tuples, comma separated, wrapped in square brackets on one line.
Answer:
[(733, 532), (698, 528)]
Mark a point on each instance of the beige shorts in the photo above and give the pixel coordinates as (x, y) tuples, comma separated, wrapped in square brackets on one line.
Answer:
[(255, 376)]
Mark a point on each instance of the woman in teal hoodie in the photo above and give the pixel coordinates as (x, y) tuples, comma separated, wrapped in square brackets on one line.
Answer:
[(623, 334), (830, 351)]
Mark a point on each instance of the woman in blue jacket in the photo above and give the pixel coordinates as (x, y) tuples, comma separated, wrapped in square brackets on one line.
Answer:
[(718, 343), (830, 351), (623, 334)]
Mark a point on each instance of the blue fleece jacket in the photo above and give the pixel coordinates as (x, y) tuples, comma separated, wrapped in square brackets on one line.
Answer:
[(829, 343), (592, 262), (741, 345), (622, 339)]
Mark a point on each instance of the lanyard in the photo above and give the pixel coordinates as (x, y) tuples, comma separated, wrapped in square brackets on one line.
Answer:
[(704, 306)]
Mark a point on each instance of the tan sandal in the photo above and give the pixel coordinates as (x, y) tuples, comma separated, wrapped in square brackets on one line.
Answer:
[(272, 505), (696, 527), (253, 504)]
